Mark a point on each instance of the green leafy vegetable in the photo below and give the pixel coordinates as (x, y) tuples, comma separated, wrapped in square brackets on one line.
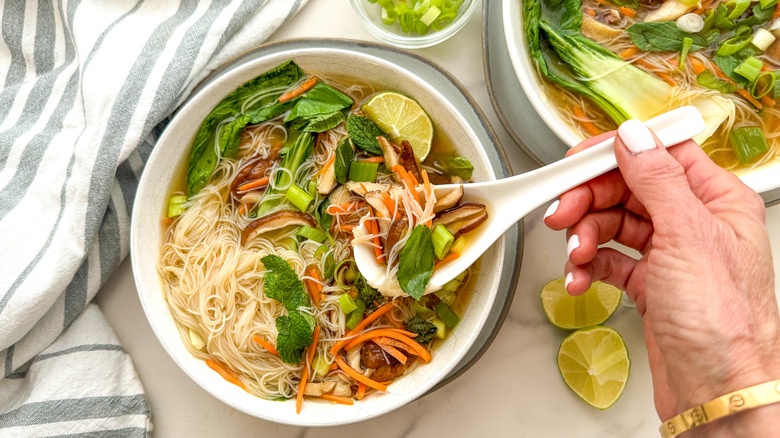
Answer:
[(445, 313), (665, 36), (424, 329), (362, 171), (224, 123), (710, 80), (282, 283), (687, 43), (458, 166), (323, 218), (760, 16), (294, 334), (727, 64), (298, 153), (363, 133), (323, 122), (416, 262), (354, 318), (344, 155), (366, 293), (319, 100)]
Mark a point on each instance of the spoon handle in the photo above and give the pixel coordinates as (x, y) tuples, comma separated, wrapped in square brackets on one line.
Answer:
[(519, 195)]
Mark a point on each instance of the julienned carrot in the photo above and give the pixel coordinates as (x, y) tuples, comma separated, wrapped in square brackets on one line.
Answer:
[(627, 12), (297, 91), (359, 377), (390, 205), (590, 12), (448, 258), (363, 324), (361, 392), (241, 209), (347, 227), (397, 344), (777, 11), (705, 4), (262, 182), (768, 101), (587, 124), (378, 251), (750, 98), (306, 367), (629, 52), (414, 179), (392, 351), (419, 350), (227, 375), (338, 399), (411, 187), (377, 159), (265, 345), (313, 286), (427, 183), (698, 66), (328, 163), (167, 220)]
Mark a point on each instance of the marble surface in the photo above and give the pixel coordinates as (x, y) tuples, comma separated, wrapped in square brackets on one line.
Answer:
[(514, 390)]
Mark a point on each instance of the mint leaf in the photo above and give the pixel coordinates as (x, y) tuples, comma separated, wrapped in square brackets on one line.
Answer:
[(416, 265), (294, 334), (282, 283), (321, 99), (344, 155), (363, 133), (458, 166)]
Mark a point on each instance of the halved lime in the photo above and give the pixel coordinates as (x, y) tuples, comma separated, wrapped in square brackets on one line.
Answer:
[(593, 307), (402, 118), (594, 363)]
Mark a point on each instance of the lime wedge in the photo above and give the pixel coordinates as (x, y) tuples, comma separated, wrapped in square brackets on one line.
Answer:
[(402, 118), (593, 307), (594, 363)]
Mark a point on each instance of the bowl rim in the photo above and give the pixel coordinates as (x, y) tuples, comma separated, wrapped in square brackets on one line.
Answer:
[(760, 180), (232, 65), (413, 42)]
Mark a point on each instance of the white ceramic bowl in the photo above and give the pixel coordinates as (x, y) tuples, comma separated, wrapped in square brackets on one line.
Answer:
[(171, 154), (761, 180)]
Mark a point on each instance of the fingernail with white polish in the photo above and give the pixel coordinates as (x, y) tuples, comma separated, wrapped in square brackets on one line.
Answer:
[(552, 209), (572, 244), (567, 281), (636, 136)]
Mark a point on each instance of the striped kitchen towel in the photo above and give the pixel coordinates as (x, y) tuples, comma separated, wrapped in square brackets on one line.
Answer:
[(86, 86)]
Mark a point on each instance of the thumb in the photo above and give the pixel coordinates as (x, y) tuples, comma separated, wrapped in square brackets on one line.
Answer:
[(656, 179)]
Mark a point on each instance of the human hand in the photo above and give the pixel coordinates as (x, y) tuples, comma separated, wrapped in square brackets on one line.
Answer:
[(704, 284)]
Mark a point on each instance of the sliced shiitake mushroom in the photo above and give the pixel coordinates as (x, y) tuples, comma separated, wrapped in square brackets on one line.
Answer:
[(253, 170), (407, 161), (463, 218), (361, 188), (327, 181), (394, 234), (449, 200), (275, 221), (390, 151)]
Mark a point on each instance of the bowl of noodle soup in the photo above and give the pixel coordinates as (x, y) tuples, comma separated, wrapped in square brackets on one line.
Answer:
[(232, 311), (556, 104)]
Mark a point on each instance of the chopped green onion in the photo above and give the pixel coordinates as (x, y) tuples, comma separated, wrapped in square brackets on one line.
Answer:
[(748, 143), (444, 20), (347, 303), (459, 245), (362, 171), (289, 243), (321, 250), (709, 20), (739, 41), (298, 197), (446, 296), (356, 315), (422, 311), (310, 233), (763, 38), (767, 3), (311, 188), (321, 366), (736, 8), (176, 205), (442, 241), (389, 16), (328, 265), (430, 15), (687, 43), (447, 316), (763, 85), (406, 20), (749, 69), (451, 5), (441, 330), (710, 80), (777, 89)]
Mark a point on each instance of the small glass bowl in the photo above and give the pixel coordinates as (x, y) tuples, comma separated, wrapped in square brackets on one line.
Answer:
[(371, 16)]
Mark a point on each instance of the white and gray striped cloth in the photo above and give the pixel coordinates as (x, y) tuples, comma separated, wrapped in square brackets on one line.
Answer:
[(86, 88)]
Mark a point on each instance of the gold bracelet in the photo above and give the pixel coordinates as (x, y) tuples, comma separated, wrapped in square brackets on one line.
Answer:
[(737, 401)]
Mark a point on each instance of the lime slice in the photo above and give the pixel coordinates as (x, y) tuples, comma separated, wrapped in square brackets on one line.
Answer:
[(402, 118), (593, 307), (594, 363)]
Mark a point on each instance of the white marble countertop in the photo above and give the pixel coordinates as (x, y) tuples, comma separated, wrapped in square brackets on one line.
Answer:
[(514, 390)]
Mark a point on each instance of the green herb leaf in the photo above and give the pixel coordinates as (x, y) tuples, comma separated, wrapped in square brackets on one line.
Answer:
[(282, 283), (203, 157), (320, 99), (323, 122), (665, 36), (272, 111), (323, 217), (458, 166), (424, 329), (344, 154), (416, 262), (367, 293), (294, 334), (363, 133)]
